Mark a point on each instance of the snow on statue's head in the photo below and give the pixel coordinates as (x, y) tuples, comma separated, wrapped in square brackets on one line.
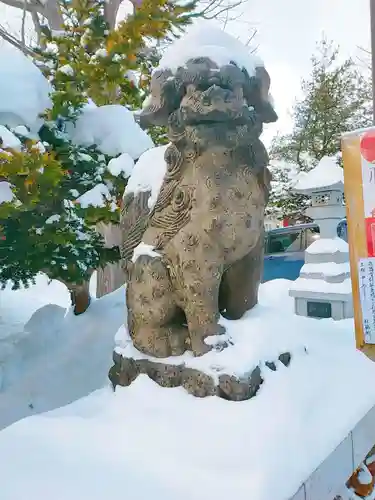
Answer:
[(205, 60)]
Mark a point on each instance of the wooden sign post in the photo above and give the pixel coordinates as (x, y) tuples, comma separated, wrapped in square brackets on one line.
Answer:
[(358, 149)]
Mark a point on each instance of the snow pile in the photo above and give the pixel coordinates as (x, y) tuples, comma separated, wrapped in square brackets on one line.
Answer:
[(95, 197), (19, 305), (300, 414), (66, 70), (24, 92), (48, 356), (148, 174), (207, 39), (326, 174), (21, 130), (123, 164), (112, 129), (8, 139), (6, 193)]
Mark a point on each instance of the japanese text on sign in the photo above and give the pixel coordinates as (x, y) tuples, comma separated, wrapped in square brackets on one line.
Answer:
[(367, 297)]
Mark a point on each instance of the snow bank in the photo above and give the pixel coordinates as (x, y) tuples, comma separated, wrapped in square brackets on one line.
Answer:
[(207, 39), (165, 444), (148, 174), (48, 356), (24, 92), (17, 306), (112, 129)]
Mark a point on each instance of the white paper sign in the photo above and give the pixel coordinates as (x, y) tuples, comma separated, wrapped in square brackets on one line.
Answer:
[(366, 275)]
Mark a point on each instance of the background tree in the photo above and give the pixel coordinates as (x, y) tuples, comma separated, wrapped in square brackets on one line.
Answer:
[(336, 99), (284, 204)]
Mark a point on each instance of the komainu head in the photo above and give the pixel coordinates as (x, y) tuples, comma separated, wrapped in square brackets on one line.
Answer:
[(207, 93)]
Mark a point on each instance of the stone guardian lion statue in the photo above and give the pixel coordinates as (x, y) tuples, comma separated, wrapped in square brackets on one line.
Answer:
[(206, 228)]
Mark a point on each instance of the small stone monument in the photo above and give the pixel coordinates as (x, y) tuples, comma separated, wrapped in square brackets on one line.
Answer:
[(323, 289)]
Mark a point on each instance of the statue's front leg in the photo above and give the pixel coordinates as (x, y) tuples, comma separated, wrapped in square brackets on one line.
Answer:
[(198, 276), (201, 308), (239, 287), (152, 310)]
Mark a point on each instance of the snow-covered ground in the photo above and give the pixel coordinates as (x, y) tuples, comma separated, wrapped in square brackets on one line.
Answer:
[(48, 356), (148, 442)]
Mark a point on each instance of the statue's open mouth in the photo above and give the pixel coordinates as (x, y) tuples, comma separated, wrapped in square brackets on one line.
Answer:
[(231, 117), (222, 118)]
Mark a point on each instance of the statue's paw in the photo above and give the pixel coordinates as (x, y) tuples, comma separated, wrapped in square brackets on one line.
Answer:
[(213, 330), (200, 348), (219, 342)]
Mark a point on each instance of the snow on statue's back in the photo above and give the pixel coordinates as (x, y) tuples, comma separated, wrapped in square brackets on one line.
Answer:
[(146, 179), (24, 91)]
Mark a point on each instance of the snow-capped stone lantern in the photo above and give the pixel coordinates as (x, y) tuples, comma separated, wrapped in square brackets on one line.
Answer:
[(323, 289)]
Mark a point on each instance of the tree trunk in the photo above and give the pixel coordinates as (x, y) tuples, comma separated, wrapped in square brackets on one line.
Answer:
[(79, 293), (111, 277), (80, 297)]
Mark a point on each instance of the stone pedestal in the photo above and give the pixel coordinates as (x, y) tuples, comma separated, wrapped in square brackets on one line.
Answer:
[(209, 375), (233, 388)]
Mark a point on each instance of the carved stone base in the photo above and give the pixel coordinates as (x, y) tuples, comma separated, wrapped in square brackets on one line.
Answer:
[(199, 384)]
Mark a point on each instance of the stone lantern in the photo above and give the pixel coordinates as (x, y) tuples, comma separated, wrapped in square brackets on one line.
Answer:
[(323, 289)]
